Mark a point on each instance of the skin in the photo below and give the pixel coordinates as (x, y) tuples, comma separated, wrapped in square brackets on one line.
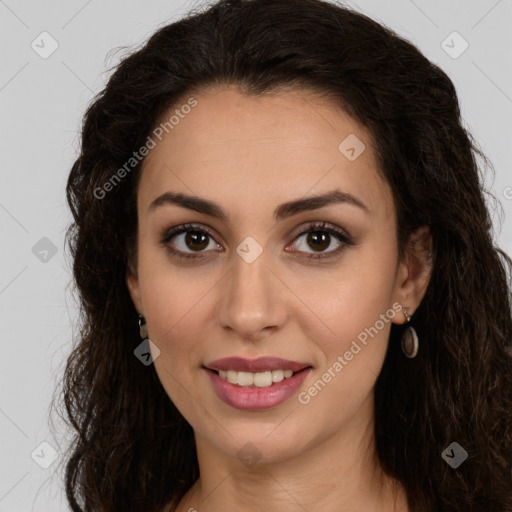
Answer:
[(249, 155)]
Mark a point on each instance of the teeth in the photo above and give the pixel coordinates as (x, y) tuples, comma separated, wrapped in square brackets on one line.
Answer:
[(277, 375), (245, 379), (260, 379)]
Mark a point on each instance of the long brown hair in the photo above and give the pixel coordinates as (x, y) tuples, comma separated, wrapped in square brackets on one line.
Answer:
[(133, 450)]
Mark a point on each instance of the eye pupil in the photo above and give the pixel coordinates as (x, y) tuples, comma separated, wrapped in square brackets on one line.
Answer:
[(199, 240), (320, 239)]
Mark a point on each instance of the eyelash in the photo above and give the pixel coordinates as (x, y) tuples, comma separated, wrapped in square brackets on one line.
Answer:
[(322, 227)]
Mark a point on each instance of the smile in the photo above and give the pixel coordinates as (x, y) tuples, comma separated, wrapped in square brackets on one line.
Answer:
[(256, 384), (260, 380)]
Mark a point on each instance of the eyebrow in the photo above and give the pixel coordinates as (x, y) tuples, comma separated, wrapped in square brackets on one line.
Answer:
[(283, 211)]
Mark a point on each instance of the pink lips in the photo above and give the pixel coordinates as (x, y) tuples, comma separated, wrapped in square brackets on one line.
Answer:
[(254, 398)]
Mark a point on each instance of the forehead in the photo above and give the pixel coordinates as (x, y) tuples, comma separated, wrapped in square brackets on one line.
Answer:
[(251, 150)]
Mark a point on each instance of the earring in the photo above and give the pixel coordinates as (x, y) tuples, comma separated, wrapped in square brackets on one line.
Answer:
[(143, 328), (410, 342), (146, 351)]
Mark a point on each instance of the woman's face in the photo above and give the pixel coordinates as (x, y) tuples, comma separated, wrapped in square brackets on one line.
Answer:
[(248, 285)]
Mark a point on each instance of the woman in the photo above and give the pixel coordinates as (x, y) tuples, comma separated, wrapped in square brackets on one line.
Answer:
[(291, 297)]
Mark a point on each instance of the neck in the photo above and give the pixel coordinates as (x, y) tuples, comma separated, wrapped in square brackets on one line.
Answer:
[(340, 473)]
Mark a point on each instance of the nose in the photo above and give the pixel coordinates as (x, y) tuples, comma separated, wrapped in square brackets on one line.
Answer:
[(251, 303)]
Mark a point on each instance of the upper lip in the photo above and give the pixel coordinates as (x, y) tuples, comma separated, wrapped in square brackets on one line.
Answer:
[(260, 364)]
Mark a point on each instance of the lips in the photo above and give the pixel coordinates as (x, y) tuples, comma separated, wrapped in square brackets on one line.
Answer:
[(261, 395), (261, 364)]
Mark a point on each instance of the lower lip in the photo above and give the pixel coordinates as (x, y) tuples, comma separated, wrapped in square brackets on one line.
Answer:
[(254, 398)]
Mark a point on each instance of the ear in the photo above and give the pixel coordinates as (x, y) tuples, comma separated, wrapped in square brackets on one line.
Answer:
[(132, 282), (414, 271)]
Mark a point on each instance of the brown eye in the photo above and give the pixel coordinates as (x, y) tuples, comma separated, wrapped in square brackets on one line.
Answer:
[(183, 241), (196, 240), (318, 240), (321, 237), (190, 241)]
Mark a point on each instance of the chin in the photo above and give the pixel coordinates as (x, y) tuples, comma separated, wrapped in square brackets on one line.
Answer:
[(262, 442)]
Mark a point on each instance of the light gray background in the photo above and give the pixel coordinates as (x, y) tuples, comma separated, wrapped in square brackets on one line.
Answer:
[(41, 104)]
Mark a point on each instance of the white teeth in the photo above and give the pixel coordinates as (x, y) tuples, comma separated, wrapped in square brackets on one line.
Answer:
[(245, 379), (260, 379), (277, 375)]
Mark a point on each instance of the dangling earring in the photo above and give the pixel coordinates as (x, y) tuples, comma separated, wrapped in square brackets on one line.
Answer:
[(410, 342), (146, 351), (143, 328)]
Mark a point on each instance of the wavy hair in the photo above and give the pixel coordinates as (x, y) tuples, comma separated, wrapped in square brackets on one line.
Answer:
[(132, 450)]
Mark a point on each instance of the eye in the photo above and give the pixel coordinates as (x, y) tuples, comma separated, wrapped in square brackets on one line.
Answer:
[(188, 237), (320, 237), (191, 238)]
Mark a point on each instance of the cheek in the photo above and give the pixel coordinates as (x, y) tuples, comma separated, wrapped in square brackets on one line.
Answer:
[(180, 304), (178, 308), (176, 313), (347, 300), (352, 336), (172, 294), (359, 317)]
